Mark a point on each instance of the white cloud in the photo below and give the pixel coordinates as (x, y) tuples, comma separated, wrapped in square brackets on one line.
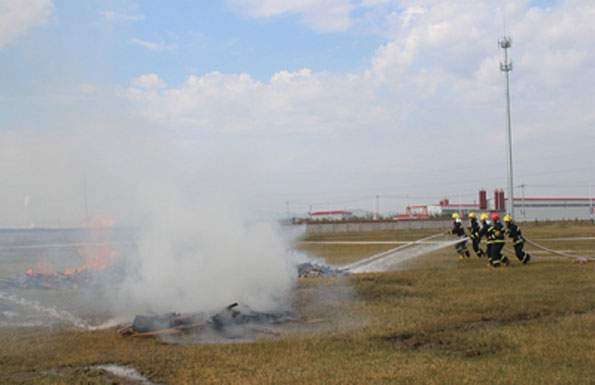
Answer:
[(148, 81), (16, 17), (148, 44), (442, 57), (434, 85), (322, 15), (556, 44), (300, 101), (88, 88), (117, 16), (153, 46), (410, 14), (431, 98)]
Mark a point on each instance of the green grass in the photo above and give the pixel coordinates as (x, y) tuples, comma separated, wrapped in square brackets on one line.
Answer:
[(443, 321)]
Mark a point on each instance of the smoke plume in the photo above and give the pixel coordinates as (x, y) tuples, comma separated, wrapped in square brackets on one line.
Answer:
[(204, 255), (199, 243)]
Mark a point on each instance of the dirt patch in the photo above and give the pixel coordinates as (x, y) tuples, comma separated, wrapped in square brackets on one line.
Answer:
[(443, 343), (450, 341), (97, 374)]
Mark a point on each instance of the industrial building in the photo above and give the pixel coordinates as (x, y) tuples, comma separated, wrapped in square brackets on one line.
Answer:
[(526, 209), (529, 209), (331, 215)]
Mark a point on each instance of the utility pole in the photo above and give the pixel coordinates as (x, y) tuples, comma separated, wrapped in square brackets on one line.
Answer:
[(590, 203), (86, 204), (460, 207), (524, 210), (287, 210), (377, 206), (506, 67)]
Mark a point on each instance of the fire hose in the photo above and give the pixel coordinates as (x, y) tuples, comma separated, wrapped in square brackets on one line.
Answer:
[(558, 253)]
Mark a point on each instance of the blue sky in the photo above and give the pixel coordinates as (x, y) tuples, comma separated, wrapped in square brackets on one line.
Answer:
[(319, 103)]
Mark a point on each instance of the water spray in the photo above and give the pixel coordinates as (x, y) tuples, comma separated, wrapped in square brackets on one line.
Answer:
[(384, 254)]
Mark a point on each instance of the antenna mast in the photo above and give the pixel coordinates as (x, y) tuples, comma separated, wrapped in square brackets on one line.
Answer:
[(506, 67)]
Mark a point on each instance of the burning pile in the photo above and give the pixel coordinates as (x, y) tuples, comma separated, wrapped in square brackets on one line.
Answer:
[(98, 269), (69, 280), (234, 321), (309, 270)]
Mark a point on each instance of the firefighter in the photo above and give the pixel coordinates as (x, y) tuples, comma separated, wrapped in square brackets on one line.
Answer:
[(496, 236), (514, 232), (485, 225), (474, 234), (458, 230)]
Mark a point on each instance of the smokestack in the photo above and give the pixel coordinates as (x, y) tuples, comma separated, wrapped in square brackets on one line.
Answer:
[(483, 200), (501, 200), (496, 200)]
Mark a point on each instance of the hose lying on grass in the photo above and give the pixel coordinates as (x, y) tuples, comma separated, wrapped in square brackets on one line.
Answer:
[(558, 253)]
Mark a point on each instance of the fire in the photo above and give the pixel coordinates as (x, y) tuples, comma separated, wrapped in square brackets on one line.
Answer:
[(97, 257), (41, 268), (97, 253)]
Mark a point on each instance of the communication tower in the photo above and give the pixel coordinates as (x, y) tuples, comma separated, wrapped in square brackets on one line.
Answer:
[(506, 67)]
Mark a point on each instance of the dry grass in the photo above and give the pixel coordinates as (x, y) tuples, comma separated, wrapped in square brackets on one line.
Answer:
[(442, 322)]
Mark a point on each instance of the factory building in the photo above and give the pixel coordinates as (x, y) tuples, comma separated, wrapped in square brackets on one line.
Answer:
[(530, 209), (526, 209), (445, 208), (331, 215)]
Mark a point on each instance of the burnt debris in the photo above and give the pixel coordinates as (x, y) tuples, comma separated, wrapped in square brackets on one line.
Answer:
[(310, 270), (223, 324)]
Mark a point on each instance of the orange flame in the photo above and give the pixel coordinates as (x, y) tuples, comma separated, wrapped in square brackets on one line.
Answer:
[(98, 254), (97, 257), (41, 268)]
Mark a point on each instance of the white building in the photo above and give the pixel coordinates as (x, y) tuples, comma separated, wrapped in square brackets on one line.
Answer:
[(332, 215), (526, 209), (531, 209)]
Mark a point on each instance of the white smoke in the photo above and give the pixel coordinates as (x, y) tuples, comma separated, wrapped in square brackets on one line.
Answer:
[(200, 245), (204, 255)]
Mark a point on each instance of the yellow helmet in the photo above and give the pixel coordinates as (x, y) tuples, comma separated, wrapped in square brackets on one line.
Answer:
[(471, 214), (455, 216), (507, 218), (484, 217)]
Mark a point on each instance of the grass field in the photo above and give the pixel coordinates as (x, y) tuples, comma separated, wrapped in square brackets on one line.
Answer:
[(440, 321)]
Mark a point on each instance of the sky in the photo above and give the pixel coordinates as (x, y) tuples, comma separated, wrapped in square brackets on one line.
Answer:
[(285, 107)]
